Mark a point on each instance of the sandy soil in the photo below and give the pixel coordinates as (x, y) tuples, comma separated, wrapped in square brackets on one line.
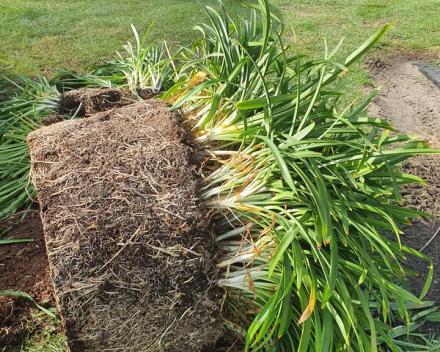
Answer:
[(407, 98)]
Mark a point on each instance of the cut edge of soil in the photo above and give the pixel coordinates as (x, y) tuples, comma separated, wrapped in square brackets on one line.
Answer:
[(25, 320)]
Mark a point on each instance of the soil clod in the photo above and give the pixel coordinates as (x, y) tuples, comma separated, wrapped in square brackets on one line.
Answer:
[(85, 102), (126, 234)]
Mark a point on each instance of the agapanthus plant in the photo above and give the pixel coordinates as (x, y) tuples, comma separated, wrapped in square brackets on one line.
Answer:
[(18, 117), (302, 190)]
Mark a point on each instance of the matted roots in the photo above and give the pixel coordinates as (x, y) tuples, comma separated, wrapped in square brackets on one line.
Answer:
[(125, 233)]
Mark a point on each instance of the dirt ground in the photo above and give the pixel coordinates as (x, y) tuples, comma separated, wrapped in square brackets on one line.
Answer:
[(412, 103), (407, 98), (24, 267)]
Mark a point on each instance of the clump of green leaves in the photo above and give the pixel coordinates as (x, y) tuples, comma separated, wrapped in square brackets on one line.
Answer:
[(144, 66), (302, 189), (18, 117)]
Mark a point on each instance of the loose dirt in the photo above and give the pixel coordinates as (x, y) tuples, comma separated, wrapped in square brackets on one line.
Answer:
[(407, 98), (24, 267), (84, 102), (412, 103)]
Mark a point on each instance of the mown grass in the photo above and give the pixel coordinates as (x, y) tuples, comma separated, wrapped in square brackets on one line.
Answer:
[(417, 25), (75, 35)]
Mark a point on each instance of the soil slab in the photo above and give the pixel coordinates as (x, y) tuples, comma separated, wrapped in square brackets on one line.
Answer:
[(126, 236)]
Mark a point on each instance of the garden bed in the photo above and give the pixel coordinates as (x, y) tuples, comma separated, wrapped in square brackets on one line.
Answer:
[(411, 102)]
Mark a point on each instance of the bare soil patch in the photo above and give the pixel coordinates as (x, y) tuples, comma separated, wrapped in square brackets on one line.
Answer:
[(412, 103), (24, 267), (407, 98)]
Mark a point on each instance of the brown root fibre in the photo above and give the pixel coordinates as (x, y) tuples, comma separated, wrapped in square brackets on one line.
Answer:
[(125, 231), (85, 102)]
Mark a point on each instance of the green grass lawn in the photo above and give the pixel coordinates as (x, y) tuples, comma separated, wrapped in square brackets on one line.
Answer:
[(57, 34), (50, 34)]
